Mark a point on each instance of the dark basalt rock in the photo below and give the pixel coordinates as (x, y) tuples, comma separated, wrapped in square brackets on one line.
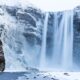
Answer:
[(2, 59)]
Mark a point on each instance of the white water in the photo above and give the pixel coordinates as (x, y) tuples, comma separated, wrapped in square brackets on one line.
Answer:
[(67, 54), (62, 43), (57, 43), (43, 48)]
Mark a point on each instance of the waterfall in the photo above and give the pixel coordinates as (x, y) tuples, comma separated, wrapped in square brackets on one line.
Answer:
[(67, 56), (43, 48), (57, 40), (63, 40), (20, 54), (62, 55)]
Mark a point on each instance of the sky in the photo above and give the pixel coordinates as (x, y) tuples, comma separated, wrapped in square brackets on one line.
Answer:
[(46, 5)]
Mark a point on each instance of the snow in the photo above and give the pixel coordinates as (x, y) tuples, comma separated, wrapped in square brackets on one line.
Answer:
[(51, 76)]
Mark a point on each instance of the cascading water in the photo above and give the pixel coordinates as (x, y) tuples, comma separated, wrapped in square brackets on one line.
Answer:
[(57, 37), (67, 56), (43, 48), (62, 42)]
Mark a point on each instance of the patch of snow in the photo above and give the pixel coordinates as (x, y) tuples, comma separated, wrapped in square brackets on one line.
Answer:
[(51, 76)]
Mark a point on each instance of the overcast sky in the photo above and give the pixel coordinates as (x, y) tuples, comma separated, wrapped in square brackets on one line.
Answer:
[(47, 5)]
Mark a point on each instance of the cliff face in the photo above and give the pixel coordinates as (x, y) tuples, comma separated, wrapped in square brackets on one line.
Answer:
[(21, 31), (2, 58), (30, 18), (76, 43)]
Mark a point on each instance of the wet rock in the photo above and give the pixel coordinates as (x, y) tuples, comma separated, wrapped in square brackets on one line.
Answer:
[(2, 59), (66, 74), (35, 77)]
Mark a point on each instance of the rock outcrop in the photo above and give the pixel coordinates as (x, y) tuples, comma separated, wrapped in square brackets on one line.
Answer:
[(21, 27)]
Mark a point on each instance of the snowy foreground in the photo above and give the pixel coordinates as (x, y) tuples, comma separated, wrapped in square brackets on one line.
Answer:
[(40, 76)]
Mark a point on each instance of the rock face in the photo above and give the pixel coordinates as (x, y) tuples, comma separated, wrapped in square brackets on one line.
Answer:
[(2, 59), (77, 35), (22, 32)]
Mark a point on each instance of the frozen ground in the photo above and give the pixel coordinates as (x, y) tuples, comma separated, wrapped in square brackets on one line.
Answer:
[(40, 76)]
